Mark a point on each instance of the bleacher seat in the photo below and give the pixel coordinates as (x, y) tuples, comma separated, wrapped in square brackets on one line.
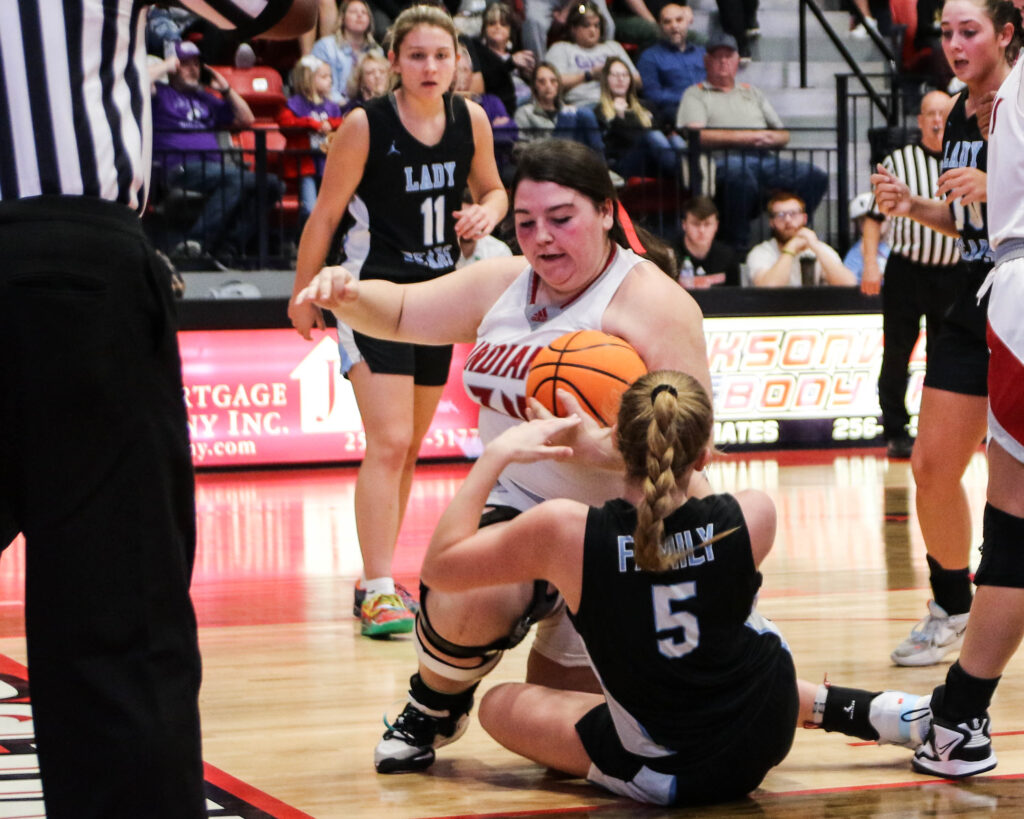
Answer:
[(260, 86)]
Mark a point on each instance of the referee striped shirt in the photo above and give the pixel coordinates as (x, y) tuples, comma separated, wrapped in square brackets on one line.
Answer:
[(920, 170), (74, 93)]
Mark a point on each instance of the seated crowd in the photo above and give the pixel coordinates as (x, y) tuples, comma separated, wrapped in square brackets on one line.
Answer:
[(556, 71)]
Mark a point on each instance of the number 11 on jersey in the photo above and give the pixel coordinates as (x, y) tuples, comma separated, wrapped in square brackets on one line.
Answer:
[(433, 220)]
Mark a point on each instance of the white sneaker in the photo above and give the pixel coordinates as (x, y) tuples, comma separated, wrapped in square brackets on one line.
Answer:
[(408, 744), (933, 638), (955, 751), (860, 32), (901, 718)]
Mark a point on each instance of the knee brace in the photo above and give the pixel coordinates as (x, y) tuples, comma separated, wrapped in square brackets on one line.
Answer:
[(429, 642), (1002, 550)]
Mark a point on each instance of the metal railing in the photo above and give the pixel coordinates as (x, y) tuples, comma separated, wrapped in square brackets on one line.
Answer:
[(858, 120), (654, 197), (876, 38)]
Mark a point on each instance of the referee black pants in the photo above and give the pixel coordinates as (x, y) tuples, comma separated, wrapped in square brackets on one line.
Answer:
[(95, 471), (909, 291)]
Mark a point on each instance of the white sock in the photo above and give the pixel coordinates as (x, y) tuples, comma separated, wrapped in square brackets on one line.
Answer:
[(379, 585)]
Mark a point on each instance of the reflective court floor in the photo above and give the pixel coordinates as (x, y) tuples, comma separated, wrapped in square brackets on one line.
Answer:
[(293, 697)]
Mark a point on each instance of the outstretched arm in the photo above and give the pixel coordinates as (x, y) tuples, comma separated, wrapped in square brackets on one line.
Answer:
[(544, 542)]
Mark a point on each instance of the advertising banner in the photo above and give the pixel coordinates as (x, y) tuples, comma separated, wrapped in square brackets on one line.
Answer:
[(260, 397), (269, 397)]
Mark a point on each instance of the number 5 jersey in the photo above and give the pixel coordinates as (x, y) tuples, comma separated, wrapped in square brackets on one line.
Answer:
[(681, 654)]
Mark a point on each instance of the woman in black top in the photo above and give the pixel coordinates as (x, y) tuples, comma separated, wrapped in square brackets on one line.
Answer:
[(505, 69), (633, 145), (399, 166), (700, 697), (953, 419)]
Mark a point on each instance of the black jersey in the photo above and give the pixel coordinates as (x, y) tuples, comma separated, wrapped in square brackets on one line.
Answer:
[(679, 653), (963, 147), (404, 230)]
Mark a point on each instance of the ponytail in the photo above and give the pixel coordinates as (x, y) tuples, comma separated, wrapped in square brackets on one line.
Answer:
[(664, 425)]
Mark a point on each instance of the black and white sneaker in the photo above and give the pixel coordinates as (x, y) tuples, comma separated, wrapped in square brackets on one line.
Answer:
[(956, 750), (408, 744)]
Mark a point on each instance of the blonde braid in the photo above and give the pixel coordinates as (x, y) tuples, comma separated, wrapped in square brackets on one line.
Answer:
[(664, 424), (658, 484)]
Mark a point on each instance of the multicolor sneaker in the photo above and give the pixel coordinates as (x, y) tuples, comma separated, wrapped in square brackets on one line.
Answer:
[(408, 744), (359, 595), (384, 614), (933, 638), (957, 750), (901, 718)]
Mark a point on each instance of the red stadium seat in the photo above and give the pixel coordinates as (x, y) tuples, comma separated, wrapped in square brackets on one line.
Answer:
[(260, 86)]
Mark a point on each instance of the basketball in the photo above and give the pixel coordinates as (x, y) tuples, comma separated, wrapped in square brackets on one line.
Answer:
[(593, 366)]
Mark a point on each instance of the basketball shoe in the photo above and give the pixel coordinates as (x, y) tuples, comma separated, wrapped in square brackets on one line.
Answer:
[(384, 614), (359, 595), (932, 638), (409, 743), (901, 718), (954, 750)]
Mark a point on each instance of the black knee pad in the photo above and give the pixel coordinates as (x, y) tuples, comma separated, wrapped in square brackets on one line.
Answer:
[(1002, 550)]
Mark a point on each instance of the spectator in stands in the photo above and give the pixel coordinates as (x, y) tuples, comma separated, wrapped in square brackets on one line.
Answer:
[(739, 18), (165, 25), (737, 117), (504, 67), (343, 49), (926, 55), (186, 119), (502, 126), (580, 61), (307, 120), (794, 256), (877, 15), (703, 260), (636, 22), (860, 212), (541, 13), (671, 65), (368, 79), (547, 115), (631, 145)]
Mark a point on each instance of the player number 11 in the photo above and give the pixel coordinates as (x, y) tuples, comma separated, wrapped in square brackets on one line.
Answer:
[(433, 220)]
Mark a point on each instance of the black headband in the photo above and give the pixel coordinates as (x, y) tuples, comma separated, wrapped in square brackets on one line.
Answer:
[(663, 388)]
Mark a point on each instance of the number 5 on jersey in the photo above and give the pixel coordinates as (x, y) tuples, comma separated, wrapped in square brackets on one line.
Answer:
[(683, 625)]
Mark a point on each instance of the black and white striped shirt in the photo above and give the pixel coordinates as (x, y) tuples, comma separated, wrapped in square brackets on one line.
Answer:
[(74, 93), (920, 170)]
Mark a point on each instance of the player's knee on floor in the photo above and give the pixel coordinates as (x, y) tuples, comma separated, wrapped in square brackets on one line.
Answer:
[(1002, 550)]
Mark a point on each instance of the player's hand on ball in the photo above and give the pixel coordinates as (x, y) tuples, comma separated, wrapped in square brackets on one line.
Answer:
[(330, 288), (535, 440), (591, 443)]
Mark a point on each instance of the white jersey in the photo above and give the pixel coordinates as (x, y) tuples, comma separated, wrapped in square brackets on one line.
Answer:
[(1005, 168), (1006, 235), (510, 335)]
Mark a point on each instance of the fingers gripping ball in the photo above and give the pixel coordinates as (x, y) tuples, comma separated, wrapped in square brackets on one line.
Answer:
[(593, 366)]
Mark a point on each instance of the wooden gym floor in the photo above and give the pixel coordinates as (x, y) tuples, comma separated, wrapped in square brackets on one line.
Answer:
[(293, 696)]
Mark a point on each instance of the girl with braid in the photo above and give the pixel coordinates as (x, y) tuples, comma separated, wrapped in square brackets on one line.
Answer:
[(699, 693)]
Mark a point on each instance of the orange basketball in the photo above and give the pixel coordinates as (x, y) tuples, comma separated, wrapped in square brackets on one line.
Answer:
[(593, 366)]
